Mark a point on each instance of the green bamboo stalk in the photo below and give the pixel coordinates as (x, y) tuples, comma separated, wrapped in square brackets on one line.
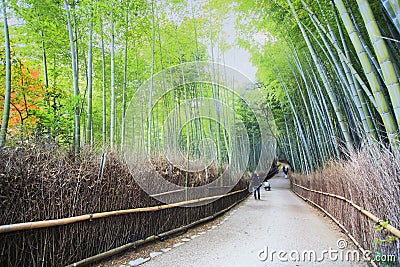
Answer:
[(389, 73), (382, 105), (89, 128), (112, 113), (7, 96), (104, 91), (74, 62), (342, 122), (393, 9), (370, 128)]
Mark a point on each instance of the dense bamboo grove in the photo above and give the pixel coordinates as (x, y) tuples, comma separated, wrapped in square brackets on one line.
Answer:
[(87, 80), (335, 74), (131, 76), (90, 77), (331, 72), (329, 67)]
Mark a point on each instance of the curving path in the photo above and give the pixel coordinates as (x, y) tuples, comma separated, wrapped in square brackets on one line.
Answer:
[(279, 221)]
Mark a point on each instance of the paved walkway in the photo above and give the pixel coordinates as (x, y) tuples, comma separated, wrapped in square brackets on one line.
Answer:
[(279, 221)]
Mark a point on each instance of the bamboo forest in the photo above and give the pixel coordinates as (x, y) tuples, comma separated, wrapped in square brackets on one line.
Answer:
[(144, 132)]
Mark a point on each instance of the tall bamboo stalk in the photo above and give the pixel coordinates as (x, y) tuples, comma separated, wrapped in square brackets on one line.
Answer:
[(125, 81), (382, 105), (382, 52), (104, 93), (342, 122), (75, 81), (89, 127), (7, 96), (112, 118)]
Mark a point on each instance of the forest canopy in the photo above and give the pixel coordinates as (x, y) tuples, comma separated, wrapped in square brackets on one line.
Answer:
[(328, 70)]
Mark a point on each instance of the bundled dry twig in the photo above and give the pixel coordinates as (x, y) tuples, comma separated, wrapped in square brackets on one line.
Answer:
[(38, 184), (370, 178)]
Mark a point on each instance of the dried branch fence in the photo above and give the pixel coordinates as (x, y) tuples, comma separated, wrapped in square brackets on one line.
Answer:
[(362, 195), (101, 212)]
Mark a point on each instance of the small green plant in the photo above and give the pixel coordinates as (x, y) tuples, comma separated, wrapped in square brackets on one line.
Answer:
[(383, 259)]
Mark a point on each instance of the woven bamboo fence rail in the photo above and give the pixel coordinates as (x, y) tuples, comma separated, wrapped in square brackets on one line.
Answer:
[(64, 221), (371, 216), (339, 224), (149, 239)]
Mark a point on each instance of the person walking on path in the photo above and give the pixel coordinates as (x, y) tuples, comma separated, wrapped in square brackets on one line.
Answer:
[(285, 171), (256, 182)]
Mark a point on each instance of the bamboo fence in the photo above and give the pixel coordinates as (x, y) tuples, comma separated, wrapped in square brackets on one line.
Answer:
[(387, 226), (64, 221), (371, 216), (149, 239)]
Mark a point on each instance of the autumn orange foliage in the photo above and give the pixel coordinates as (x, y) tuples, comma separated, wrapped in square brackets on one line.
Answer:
[(27, 91)]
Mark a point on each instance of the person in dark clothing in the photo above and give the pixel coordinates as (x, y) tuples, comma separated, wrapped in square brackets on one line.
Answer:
[(285, 171), (256, 181)]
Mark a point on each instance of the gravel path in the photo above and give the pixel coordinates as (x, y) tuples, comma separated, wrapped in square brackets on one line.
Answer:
[(279, 221)]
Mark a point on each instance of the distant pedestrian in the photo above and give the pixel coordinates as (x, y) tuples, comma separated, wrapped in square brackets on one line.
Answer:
[(285, 171), (256, 182)]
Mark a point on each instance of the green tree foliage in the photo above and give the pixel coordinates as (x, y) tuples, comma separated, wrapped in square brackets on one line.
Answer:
[(320, 68), (49, 50)]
